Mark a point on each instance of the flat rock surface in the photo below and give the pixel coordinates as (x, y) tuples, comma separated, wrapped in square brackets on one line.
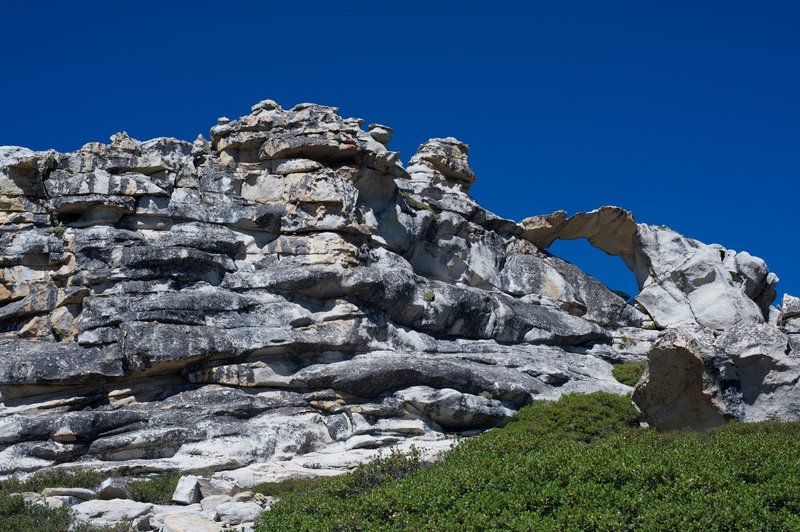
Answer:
[(109, 512), (189, 523)]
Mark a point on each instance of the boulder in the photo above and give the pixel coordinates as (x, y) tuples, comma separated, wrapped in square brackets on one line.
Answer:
[(789, 318), (187, 522), (109, 513), (446, 157), (454, 410), (211, 502), (213, 486), (697, 380), (78, 493), (60, 501), (187, 491), (236, 513), (114, 488)]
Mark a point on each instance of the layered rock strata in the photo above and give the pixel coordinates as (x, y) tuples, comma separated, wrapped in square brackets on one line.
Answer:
[(286, 298)]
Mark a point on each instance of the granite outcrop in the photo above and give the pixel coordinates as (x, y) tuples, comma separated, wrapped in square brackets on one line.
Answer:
[(286, 298)]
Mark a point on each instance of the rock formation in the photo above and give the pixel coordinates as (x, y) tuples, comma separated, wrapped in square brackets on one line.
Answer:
[(285, 298)]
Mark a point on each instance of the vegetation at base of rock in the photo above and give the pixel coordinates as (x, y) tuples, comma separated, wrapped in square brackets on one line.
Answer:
[(629, 372), (364, 478), (54, 478), (157, 489), (579, 463), (287, 487), (15, 514)]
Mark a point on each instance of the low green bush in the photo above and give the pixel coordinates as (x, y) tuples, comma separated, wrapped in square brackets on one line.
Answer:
[(157, 489), (15, 514), (629, 372), (287, 487), (366, 477), (18, 515), (54, 478), (581, 463)]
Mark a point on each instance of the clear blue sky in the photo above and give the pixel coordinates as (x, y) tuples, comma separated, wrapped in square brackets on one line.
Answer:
[(687, 113)]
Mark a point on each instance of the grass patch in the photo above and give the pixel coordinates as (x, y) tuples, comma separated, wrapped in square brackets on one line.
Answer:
[(629, 372), (581, 463)]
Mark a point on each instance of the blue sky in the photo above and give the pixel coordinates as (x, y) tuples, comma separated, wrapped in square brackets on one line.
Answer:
[(687, 113)]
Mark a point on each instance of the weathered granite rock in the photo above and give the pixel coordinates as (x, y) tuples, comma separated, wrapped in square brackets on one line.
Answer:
[(452, 409), (682, 281), (235, 513), (697, 379), (161, 515), (187, 491), (210, 503), (789, 318), (212, 487), (109, 513), (189, 523), (286, 299), (114, 488), (78, 493)]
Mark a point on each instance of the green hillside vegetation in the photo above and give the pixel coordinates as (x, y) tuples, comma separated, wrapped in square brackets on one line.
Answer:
[(581, 463)]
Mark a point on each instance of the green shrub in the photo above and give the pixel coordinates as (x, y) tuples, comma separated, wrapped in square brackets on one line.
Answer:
[(287, 487), (576, 417), (629, 372), (56, 230), (157, 489), (580, 463), (54, 478), (18, 515)]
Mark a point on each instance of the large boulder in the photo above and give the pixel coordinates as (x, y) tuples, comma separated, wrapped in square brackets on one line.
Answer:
[(110, 513), (698, 380)]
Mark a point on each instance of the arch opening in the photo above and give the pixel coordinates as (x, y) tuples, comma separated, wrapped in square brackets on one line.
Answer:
[(608, 269)]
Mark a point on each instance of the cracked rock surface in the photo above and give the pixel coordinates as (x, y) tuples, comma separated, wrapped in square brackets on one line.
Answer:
[(287, 298)]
